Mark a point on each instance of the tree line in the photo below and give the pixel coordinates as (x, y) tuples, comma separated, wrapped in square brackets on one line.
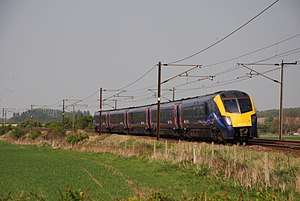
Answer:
[(269, 122), (52, 118)]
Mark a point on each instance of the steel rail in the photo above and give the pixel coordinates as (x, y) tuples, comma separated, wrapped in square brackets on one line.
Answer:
[(288, 144)]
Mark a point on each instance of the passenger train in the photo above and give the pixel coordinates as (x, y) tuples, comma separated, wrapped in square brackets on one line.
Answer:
[(224, 116)]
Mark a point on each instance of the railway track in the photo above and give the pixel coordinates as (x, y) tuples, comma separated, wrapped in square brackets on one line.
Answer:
[(284, 144), (295, 145)]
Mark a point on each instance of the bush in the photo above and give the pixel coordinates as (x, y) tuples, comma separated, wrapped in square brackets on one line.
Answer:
[(84, 122), (73, 195), (159, 196), (17, 132), (74, 139), (34, 134), (56, 127), (30, 124), (2, 131), (5, 129), (202, 170)]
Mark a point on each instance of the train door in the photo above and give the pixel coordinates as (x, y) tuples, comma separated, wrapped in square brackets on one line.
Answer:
[(174, 116), (148, 118), (126, 123), (178, 116), (108, 120)]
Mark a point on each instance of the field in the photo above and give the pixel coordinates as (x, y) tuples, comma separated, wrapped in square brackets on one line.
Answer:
[(128, 172)]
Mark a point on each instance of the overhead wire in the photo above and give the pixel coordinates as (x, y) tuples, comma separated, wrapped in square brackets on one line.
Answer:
[(254, 51), (132, 83), (282, 54), (285, 53), (227, 82), (230, 81), (238, 57), (225, 37), (208, 78), (82, 99), (219, 41)]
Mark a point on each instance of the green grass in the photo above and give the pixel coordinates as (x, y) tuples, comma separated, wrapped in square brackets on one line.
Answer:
[(46, 171), (275, 136), (104, 176)]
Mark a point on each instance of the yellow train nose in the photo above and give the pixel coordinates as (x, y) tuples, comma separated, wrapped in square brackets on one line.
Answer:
[(235, 118), (240, 120)]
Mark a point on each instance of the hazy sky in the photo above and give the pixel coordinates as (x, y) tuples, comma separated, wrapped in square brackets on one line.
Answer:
[(55, 49)]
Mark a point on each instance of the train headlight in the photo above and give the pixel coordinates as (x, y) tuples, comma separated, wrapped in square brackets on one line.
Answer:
[(228, 121)]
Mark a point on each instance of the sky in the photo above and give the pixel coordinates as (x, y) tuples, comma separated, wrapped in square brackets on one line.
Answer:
[(52, 50)]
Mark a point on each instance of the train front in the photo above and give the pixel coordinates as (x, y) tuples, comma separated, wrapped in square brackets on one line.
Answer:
[(237, 116)]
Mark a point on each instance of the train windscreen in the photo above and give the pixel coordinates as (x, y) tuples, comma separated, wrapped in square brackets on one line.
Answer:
[(245, 104), (237, 105), (231, 105)]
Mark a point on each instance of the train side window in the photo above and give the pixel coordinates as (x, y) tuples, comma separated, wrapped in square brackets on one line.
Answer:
[(166, 115), (198, 112), (137, 117), (187, 113)]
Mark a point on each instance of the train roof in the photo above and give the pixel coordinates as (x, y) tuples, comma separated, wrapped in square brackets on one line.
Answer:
[(223, 92)]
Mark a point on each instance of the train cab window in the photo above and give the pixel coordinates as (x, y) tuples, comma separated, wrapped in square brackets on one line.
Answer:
[(237, 105), (245, 104), (231, 105)]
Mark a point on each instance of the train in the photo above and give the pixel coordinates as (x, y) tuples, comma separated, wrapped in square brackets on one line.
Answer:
[(223, 116)]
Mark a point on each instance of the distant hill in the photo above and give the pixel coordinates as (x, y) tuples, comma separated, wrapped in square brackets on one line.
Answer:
[(288, 112), (42, 115)]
